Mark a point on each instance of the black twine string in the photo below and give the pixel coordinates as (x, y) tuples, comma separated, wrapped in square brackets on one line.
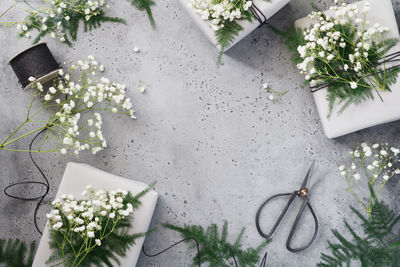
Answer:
[(260, 17), (46, 184), (226, 249), (394, 57)]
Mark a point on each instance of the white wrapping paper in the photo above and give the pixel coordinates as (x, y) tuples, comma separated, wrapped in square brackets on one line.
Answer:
[(76, 177), (267, 8), (373, 111)]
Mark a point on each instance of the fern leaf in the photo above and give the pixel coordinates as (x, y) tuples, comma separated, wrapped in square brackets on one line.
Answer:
[(145, 5), (226, 35), (215, 249), (15, 253), (378, 246)]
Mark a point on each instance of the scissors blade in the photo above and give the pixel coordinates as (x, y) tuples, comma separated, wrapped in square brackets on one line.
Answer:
[(306, 180)]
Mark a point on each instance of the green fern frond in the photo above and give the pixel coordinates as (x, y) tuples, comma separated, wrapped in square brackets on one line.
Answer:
[(214, 245), (378, 246), (13, 253), (145, 5), (293, 37), (226, 35)]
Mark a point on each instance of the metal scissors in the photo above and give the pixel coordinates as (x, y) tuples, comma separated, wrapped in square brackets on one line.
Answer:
[(303, 193)]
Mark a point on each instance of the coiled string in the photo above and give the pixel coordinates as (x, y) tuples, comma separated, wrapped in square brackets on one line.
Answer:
[(226, 249), (46, 184)]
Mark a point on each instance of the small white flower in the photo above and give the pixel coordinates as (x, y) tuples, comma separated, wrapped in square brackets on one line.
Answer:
[(31, 79), (136, 49), (52, 90), (356, 176), (353, 85), (63, 151), (57, 226), (98, 242)]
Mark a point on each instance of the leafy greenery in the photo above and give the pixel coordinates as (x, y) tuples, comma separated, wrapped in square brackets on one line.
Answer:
[(371, 76), (49, 21), (145, 5), (215, 248), (61, 19), (377, 247), (115, 244), (231, 28), (293, 37), (13, 253), (226, 35)]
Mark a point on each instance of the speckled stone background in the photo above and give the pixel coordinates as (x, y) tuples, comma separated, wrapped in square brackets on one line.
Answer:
[(210, 137)]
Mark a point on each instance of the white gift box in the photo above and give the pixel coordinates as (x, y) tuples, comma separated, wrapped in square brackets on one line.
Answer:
[(76, 177), (267, 8), (372, 111)]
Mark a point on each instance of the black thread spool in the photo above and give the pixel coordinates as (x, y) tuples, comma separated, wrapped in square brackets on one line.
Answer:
[(35, 61)]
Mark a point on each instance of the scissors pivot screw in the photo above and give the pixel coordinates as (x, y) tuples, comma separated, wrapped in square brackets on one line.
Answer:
[(303, 192)]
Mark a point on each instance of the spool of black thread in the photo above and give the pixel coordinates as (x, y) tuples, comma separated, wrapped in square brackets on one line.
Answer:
[(36, 61)]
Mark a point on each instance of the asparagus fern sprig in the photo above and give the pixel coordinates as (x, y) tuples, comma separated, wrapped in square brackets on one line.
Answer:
[(15, 253), (145, 5), (215, 249), (378, 246), (62, 19)]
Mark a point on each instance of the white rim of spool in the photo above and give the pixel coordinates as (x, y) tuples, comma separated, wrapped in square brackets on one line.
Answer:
[(43, 79)]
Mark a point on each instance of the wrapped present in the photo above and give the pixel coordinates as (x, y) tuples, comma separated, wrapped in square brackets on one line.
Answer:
[(76, 177), (370, 112), (268, 9)]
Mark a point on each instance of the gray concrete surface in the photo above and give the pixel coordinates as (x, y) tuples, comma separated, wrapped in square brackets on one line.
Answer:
[(210, 137)]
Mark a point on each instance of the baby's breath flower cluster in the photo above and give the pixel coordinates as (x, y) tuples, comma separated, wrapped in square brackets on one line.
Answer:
[(274, 95), (224, 16), (86, 223), (378, 163), (221, 11), (341, 50), (76, 99), (58, 18)]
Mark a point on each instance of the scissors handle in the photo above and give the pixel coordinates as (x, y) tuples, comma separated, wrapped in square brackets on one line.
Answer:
[(281, 216), (306, 203)]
